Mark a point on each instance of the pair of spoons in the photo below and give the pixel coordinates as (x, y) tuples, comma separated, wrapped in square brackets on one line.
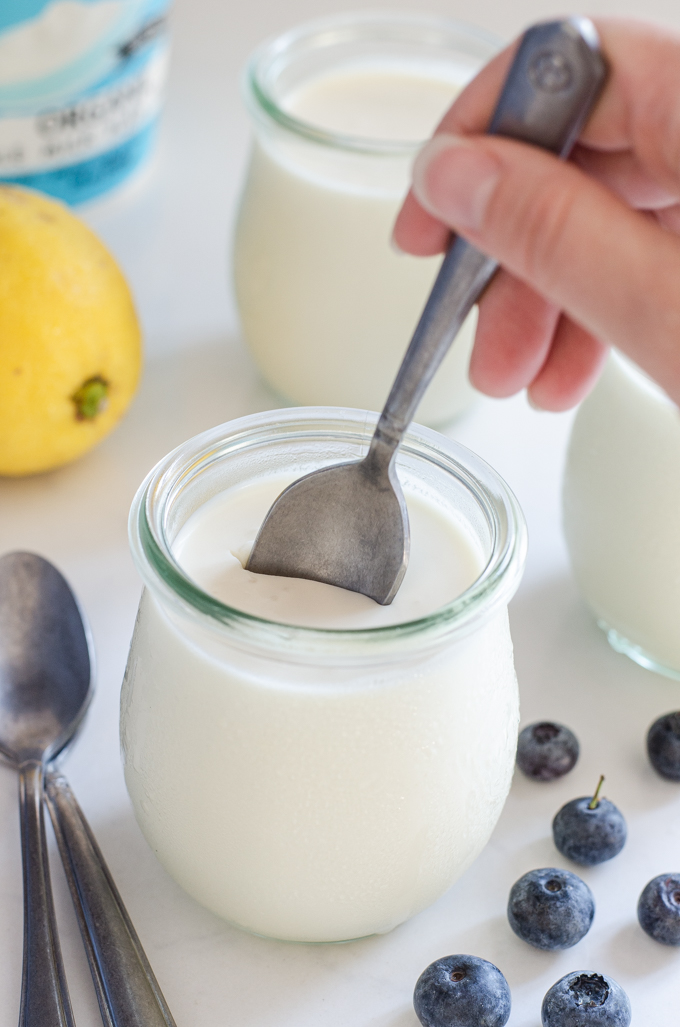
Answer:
[(45, 688)]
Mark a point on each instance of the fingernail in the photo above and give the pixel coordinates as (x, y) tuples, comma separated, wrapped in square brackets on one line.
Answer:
[(454, 180)]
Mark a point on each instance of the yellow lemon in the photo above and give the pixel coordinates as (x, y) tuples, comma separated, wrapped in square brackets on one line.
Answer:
[(70, 348)]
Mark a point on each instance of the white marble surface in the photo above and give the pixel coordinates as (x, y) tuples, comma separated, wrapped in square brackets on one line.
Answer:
[(171, 235)]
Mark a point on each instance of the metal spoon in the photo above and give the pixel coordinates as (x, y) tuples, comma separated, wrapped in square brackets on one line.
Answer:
[(45, 688), (44, 692), (347, 524)]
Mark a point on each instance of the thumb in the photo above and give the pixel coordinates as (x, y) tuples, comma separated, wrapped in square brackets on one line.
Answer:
[(610, 268)]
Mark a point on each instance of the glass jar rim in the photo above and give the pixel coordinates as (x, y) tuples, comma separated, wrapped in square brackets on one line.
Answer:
[(160, 571), (273, 50)]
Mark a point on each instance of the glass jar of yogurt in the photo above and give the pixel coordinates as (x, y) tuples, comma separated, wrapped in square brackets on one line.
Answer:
[(340, 107), (621, 502), (305, 763)]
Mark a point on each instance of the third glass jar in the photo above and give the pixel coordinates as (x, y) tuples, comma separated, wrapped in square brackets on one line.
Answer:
[(621, 498), (340, 107)]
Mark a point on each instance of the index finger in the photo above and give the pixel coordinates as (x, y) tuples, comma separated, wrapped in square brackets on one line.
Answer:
[(637, 114), (637, 109), (470, 113)]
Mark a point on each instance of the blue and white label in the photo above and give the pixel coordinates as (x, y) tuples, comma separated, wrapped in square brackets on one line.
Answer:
[(81, 87)]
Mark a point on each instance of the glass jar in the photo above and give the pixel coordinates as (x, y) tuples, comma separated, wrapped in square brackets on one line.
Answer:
[(81, 88), (318, 785), (326, 305), (621, 500)]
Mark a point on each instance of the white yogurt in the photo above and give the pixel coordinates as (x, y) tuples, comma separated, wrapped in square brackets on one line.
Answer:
[(377, 100), (215, 543), (327, 307), (314, 785), (622, 510)]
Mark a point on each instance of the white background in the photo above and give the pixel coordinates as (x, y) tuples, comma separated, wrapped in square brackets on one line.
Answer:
[(171, 235)]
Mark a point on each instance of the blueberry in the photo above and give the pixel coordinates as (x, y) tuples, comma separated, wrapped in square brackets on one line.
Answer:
[(663, 746), (586, 1000), (462, 991), (659, 909), (551, 909), (546, 751), (589, 830)]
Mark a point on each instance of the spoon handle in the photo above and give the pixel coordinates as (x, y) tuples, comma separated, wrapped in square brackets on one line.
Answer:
[(127, 990), (554, 80), (44, 993)]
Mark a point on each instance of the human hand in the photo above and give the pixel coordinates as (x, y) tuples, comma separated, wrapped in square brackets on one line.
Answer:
[(589, 248)]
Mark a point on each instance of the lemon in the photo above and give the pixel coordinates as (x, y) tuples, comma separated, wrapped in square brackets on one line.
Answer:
[(70, 349)]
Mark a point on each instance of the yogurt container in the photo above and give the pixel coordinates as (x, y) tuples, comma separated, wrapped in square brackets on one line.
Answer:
[(339, 109), (81, 86), (621, 505), (325, 782)]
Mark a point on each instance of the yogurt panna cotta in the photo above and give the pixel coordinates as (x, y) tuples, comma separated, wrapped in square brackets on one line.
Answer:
[(323, 782), (215, 543), (340, 109), (621, 501)]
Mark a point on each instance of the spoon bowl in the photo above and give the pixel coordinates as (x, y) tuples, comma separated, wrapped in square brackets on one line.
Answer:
[(332, 526), (45, 660)]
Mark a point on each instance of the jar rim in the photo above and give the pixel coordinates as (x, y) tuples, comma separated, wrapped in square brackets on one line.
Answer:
[(160, 571), (337, 28)]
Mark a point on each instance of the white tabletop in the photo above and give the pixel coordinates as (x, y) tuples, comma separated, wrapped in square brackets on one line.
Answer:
[(171, 235)]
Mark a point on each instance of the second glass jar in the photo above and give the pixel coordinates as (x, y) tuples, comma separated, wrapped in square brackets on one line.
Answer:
[(340, 107)]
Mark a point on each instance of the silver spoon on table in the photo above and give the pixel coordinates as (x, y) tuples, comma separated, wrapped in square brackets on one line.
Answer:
[(347, 524), (45, 688), (44, 692)]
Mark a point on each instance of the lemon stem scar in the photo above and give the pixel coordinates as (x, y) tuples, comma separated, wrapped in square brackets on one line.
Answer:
[(91, 398)]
